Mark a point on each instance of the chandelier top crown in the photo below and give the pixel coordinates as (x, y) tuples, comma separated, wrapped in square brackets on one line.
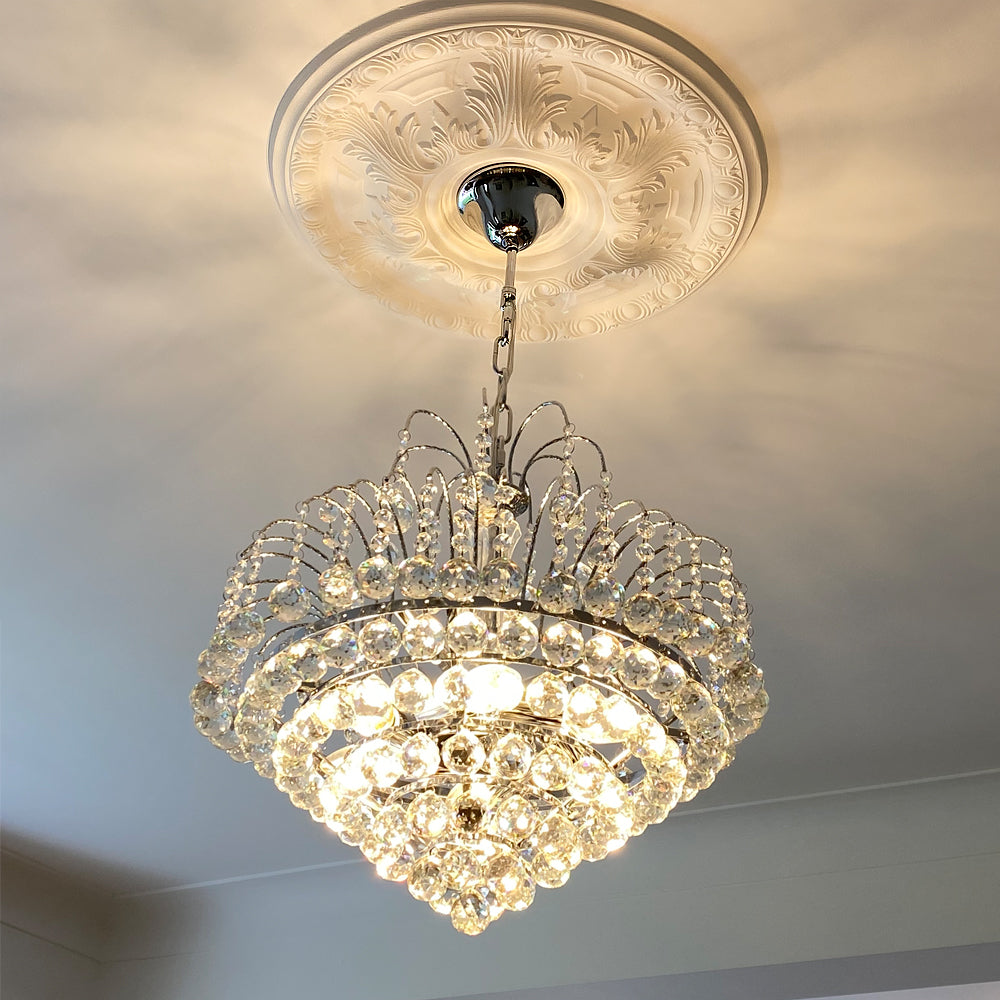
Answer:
[(514, 204)]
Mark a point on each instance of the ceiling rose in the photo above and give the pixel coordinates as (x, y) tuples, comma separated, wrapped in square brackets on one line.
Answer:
[(482, 668), (660, 158)]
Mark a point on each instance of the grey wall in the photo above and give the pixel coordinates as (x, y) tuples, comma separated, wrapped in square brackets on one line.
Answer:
[(886, 889)]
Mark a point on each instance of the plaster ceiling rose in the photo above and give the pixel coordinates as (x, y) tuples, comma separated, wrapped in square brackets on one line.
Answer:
[(659, 158)]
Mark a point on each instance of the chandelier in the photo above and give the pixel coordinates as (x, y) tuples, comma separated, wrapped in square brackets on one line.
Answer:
[(483, 668)]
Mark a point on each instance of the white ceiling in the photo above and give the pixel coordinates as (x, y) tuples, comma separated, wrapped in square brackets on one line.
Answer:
[(178, 370)]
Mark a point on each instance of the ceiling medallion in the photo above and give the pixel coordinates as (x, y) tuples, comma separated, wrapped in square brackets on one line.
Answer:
[(660, 158), (482, 669)]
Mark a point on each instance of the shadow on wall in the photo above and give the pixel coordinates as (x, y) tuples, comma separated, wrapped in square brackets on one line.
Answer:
[(72, 866), (62, 932)]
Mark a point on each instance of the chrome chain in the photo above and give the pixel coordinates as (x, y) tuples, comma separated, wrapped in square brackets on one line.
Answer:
[(503, 366)]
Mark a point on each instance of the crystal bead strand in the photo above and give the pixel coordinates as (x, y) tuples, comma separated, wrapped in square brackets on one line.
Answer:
[(695, 597), (402, 453), (223, 656), (397, 486), (502, 577), (672, 559), (289, 600), (459, 577), (563, 509), (742, 620), (237, 617), (577, 514), (643, 611), (418, 574), (603, 594), (481, 462), (605, 536), (338, 589), (298, 540), (559, 591), (232, 593), (243, 624), (377, 574), (486, 487), (248, 590), (726, 587)]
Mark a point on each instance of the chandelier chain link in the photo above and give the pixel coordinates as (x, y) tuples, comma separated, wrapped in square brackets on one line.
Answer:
[(503, 366)]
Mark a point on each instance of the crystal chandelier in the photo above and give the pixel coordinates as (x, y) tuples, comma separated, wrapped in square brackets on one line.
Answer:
[(482, 669)]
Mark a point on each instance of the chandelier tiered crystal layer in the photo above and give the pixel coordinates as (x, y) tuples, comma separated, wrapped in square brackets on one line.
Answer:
[(482, 669)]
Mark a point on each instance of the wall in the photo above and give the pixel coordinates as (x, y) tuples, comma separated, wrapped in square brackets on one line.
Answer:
[(893, 888), (885, 889), (52, 934)]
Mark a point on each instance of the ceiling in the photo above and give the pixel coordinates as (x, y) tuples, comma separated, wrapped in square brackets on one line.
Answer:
[(179, 369)]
